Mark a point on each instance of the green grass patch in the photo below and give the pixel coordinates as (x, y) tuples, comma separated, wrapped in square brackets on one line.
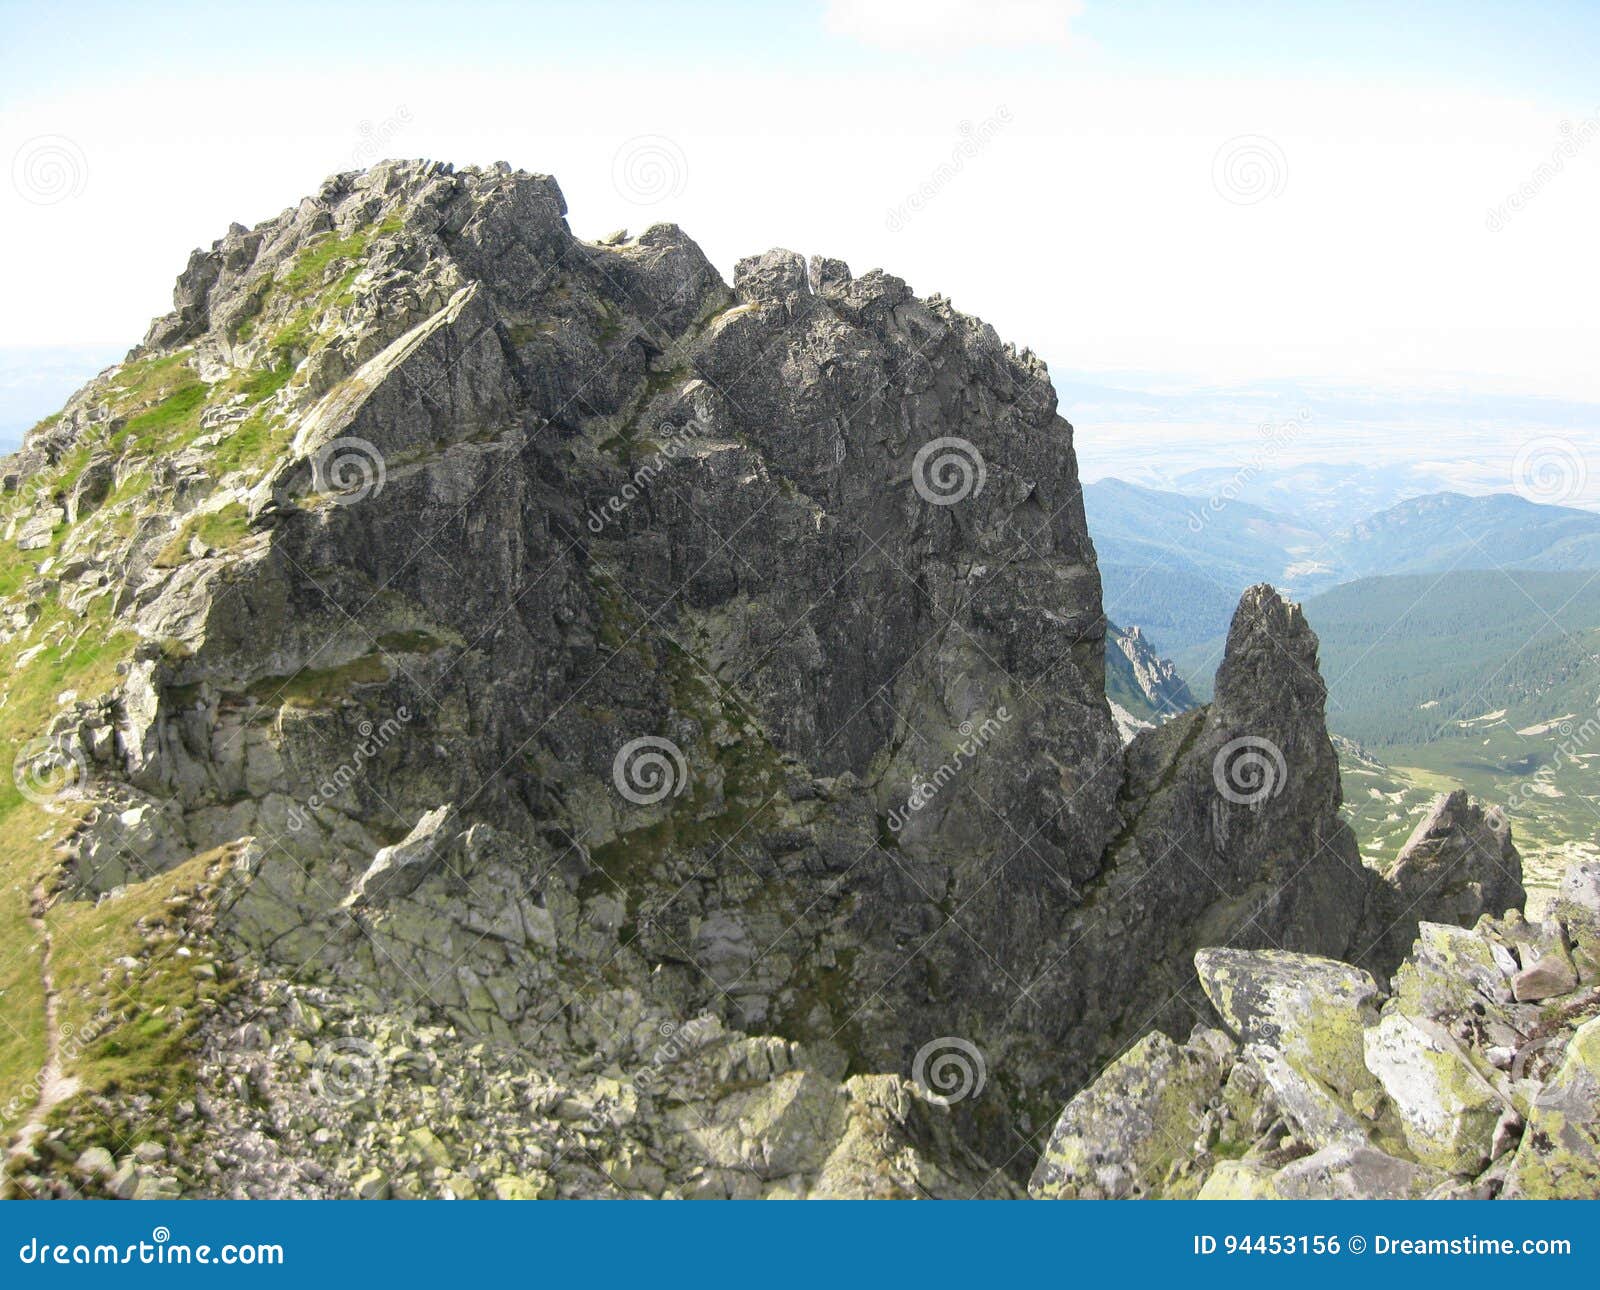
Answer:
[(179, 410), (320, 687), (141, 1017), (263, 383), (28, 834), (16, 567), (136, 1023), (22, 1038), (255, 442), (216, 530), (311, 265)]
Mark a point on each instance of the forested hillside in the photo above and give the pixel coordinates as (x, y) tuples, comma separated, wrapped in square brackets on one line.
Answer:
[(1452, 531), (1175, 563)]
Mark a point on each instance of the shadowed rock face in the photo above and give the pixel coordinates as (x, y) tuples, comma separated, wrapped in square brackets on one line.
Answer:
[(591, 644)]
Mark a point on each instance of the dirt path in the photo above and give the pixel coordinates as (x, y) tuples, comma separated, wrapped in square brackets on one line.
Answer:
[(54, 1084)]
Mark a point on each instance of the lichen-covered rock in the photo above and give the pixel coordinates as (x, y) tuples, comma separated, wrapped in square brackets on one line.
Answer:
[(1560, 1151), (1462, 1091), (1339, 1171), (400, 869), (1312, 1010), (1123, 1136), (894, 1144), (1312, 1110), (1451, 971), (1239, 1180), (1353, 1171), (1448, 1109)]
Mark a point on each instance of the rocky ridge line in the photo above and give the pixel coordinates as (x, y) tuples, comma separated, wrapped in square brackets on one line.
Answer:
[(353, 586)]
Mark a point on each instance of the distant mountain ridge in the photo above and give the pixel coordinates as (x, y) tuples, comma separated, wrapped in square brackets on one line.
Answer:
[(1326, 495), (1453, 530), (1176, 566), (1174, 562)]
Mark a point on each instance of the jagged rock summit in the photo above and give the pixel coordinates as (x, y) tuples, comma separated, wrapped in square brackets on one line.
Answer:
[(510, 715)]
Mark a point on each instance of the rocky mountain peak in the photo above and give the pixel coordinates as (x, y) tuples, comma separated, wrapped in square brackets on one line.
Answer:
[(1144, 688), (505, 650), (1270, 664)]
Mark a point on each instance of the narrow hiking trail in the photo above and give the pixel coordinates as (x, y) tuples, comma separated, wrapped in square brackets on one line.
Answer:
[(54, 1084)]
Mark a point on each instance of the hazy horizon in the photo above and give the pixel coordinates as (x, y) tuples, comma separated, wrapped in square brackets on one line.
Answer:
[(1118, 187), (1395, 255)]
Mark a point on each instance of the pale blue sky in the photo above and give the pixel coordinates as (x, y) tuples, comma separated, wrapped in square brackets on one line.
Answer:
[(1101, 223), (1549, 50)]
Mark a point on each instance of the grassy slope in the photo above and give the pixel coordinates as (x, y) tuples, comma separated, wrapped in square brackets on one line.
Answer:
[(132, 1022)]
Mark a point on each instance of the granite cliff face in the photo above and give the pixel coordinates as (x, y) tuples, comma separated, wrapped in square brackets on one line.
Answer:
[(499, 714)]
